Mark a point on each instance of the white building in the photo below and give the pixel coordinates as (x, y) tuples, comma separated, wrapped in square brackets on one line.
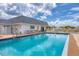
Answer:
[(21, 25)]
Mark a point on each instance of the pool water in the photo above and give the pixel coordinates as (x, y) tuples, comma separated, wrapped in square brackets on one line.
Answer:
[(34, 45)]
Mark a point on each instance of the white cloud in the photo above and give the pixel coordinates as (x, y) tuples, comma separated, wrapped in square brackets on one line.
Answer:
[(74, 21), (42, 18), (4, 15), (29, 5), (42, 8), (54, 5), (75, 9), (73, 16), (69, 22), (30, 10), (47, 12), (13, 8)]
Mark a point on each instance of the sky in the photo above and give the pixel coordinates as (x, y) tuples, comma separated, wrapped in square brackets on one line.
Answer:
[(55, 14)]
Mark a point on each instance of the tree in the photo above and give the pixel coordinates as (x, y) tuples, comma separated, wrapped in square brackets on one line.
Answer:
[(67, 27)]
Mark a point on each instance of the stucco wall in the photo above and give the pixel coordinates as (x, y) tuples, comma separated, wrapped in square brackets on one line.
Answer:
[(1, 29), (19, 28), (5, 30), (26, 27)]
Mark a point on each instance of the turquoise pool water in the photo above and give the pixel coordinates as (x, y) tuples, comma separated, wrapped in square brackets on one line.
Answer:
[(35, 45)]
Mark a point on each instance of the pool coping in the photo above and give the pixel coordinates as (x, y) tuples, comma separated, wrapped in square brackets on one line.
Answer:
[(31, 35), (65, 50)]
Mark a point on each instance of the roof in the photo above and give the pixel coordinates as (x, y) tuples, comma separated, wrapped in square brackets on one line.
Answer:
[(24, 19), (4, 21)]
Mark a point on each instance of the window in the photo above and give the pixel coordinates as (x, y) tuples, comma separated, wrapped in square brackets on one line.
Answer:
[(32, 27)]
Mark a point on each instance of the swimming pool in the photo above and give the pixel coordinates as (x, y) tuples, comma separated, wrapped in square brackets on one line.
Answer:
[(34, 45)]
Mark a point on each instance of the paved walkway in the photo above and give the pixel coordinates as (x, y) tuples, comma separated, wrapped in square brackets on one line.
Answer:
[(10, 36), (73, 48), (6, 36), (76, 36)]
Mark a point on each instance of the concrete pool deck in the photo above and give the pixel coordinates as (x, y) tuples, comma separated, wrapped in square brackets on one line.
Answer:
[(73, 47), (12, 36), (6, 36)]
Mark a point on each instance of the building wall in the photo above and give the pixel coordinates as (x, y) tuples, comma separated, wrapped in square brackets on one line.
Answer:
[(16, 28), (25, 28), (1, 29), (19, 28), (5, 29)]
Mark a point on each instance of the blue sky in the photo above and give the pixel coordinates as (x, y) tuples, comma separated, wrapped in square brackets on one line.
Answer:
[(58, 14)]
